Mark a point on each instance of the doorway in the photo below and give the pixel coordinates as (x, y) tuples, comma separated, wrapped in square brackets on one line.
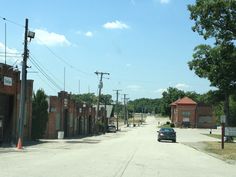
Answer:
[(6, 117), (65, 123)]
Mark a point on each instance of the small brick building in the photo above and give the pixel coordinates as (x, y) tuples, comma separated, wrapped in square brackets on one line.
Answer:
[(187, 113), (10, 86)]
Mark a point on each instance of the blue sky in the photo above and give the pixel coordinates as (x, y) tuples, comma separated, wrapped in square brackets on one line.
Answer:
[(144, 44)]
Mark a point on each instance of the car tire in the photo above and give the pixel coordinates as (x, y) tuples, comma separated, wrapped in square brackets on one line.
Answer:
[(174, 141), (158, 140)]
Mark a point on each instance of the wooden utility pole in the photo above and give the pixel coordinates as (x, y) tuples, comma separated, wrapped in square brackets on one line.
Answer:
[(23, 90), (117, 99), (100, 86), (125, 110)]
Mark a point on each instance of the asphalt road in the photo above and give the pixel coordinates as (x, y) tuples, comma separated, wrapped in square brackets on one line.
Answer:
[(133, 152)]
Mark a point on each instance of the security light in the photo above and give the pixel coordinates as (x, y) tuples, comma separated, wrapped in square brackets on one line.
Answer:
[(31, 35)]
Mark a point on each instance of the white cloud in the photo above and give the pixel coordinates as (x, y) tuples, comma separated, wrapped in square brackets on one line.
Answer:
[(164, 1), (50, 38), (115, 25), (12, 54), (134, 87), (181, 86), (160, 90), (89, 34)]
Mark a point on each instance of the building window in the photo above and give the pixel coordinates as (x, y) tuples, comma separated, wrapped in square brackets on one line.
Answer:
[(186, 114)]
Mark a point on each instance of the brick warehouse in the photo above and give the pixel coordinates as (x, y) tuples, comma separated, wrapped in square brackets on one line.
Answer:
[(187, 113), (74, 119), (9, 104)]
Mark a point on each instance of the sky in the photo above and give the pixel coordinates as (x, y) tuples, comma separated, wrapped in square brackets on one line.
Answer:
[(145, 45)]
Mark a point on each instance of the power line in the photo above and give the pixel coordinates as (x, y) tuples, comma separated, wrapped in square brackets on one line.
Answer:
[(13, 22), (44, 74), (63, 60), (46, 83), (45, 68)]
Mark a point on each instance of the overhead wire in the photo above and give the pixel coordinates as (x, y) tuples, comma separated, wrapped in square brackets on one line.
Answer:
[(13, 22), (38, 67), (63, 60), (48, 71)]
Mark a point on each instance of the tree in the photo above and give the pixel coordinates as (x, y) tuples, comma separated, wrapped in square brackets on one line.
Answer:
[(106, 99), (169, 96), (88, 98), (216, 19), (39, 114)]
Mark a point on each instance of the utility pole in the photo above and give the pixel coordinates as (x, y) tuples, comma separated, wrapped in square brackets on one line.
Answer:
[(30, 35), (100, 86), (125, 115), (5, 42), (117, 98), (23, 90), (127, 112)]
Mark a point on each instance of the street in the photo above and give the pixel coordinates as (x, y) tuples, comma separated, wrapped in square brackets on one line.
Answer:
[(133, 152)]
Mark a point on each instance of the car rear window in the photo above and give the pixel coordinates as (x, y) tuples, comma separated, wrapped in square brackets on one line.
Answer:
[(167, 130)]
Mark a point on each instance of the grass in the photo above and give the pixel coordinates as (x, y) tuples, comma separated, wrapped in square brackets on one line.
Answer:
[(228, 153), (214, 135)]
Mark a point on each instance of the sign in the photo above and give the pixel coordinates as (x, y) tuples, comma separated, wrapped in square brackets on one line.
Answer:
[(7, 81), (222, 118)]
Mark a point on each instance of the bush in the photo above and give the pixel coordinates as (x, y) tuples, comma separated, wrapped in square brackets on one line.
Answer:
[(172, 125), (167, 122)]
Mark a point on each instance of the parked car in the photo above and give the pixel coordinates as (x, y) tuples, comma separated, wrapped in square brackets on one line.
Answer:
[(166, 134), (111, 128)]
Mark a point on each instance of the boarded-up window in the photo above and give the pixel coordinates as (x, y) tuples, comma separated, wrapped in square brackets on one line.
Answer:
[(205, 119), (58, 121)]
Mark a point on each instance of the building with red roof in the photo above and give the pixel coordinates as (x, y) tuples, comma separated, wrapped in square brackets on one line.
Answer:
[(187, 113)]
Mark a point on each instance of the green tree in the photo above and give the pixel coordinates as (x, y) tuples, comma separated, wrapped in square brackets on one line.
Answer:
[(106, 99), (216, 19), (88, 98), (39, 114), (169, 96)]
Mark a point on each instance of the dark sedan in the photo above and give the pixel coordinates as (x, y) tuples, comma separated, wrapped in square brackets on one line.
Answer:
[(111, 128), (166, 134)]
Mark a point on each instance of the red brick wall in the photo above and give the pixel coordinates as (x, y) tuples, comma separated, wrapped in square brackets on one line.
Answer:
[(14, 90), (207, 112), (186, 108)]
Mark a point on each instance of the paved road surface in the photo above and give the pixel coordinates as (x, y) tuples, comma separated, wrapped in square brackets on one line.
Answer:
[(134, 152)]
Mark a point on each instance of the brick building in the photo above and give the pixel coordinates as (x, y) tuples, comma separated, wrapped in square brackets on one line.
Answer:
[(74, 119), (187, 113), (10, 86)]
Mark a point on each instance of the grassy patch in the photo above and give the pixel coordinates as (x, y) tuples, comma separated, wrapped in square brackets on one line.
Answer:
[(228, 153), (214, 135)]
